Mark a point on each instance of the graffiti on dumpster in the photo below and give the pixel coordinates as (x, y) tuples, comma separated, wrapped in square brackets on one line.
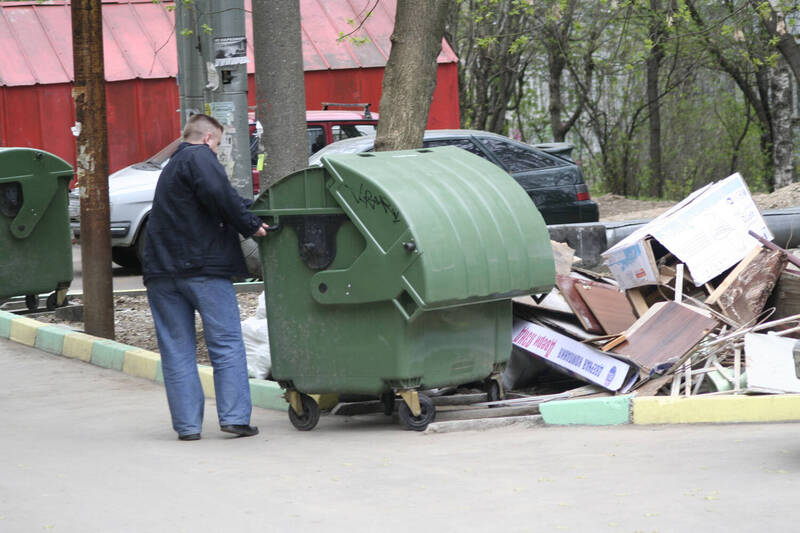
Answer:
[(373, 201)]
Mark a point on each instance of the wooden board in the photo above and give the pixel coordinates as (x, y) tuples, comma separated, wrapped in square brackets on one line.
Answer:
[(609, 306), (566, 285), (667, 332), (743, 298), (734, 275)]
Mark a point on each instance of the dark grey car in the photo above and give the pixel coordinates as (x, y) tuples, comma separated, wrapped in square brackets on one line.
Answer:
[(554, 183)]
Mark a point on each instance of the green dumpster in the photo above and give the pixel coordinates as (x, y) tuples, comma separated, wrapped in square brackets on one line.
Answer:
[(393, 272), (34, 226)]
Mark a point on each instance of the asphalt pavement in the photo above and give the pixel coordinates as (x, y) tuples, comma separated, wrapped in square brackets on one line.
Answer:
[(86, 449), (123, 278)]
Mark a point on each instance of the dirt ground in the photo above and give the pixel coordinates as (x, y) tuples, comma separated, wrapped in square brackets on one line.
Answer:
[(134, 325), (614, 207)]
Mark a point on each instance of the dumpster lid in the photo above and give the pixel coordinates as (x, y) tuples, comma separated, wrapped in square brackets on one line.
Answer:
[(445, 226)]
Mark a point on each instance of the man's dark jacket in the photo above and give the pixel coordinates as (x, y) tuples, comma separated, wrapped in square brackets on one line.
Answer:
[(197, 216)]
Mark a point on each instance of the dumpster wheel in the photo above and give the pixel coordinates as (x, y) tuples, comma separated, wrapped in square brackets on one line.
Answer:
[(53, 299), (426, 416), (308, 420), (494, 389), (387, 399), (32, 302)]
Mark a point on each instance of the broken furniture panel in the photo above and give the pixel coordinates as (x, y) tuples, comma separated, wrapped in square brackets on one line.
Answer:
[(566, 284), (609, 306), (743, 293), (664, 334)]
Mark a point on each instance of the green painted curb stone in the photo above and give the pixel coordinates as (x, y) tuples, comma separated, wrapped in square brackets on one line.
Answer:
[(159, 374), (5, 323), (51, 338), (109, 354), (591, 412), (267, 394)]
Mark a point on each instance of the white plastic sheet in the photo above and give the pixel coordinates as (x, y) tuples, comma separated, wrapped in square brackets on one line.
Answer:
[(256, 342)]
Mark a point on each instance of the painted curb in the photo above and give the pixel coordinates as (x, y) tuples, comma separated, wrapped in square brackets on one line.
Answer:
[(136, 362), (611, 411), (716, 409)]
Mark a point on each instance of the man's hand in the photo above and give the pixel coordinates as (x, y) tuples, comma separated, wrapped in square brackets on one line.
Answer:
[(262, 231)]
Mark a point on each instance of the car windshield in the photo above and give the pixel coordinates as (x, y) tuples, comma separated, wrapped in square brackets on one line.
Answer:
[(165, 153)]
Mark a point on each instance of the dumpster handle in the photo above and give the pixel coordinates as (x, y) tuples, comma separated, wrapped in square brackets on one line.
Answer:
[(272, 227)]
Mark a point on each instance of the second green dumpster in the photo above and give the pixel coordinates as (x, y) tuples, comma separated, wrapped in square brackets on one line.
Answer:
[(34, 226), (393, 272)]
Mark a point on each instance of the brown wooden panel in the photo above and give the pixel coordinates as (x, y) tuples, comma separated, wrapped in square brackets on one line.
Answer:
[(745, 296), (665, 333), (609, 306), (566, 285)]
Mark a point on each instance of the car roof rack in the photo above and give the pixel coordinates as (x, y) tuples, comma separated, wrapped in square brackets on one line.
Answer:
[(367, 114)]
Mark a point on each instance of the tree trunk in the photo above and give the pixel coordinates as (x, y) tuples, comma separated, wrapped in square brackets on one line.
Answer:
[(410, 74), (654, 107), (280, 87), (556, 65), (781, 93), (776, 25)]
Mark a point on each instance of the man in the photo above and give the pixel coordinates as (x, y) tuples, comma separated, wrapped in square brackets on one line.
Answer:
[(191, 253)]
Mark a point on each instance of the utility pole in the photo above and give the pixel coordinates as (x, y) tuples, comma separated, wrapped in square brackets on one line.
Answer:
[(214, 56), (92, 166), (191, 78)]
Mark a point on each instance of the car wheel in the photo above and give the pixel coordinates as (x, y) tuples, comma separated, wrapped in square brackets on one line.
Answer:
[(125, 257), (140, 242)]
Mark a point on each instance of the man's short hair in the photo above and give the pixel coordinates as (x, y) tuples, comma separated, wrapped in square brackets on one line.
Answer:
[(198, 125)]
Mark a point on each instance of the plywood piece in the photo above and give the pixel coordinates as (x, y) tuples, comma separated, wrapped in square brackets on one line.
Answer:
[(744, 298), (667, 332), (652, 385), (566, 285), (638, 303), (609, 306)]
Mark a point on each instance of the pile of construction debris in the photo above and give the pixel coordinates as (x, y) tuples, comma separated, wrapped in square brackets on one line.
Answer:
[(697, 301)]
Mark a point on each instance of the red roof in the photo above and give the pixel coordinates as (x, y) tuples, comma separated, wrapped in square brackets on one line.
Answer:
[(139, 39)]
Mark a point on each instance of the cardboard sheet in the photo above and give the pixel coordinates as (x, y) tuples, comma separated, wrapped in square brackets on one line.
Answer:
[(707, 231), (772, 365), (571, 356)]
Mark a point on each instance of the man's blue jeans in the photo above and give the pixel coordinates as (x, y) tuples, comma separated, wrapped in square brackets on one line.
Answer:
[(173, 302)]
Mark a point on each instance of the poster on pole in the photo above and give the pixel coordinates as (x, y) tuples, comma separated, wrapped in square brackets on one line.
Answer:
[(230, 51), (224, 113)]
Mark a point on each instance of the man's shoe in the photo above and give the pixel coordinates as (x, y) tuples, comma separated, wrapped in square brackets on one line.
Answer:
[(241, 430), (190, 436)]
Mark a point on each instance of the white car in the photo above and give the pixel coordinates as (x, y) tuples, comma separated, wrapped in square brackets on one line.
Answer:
[(131, 190), (130, 196)]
